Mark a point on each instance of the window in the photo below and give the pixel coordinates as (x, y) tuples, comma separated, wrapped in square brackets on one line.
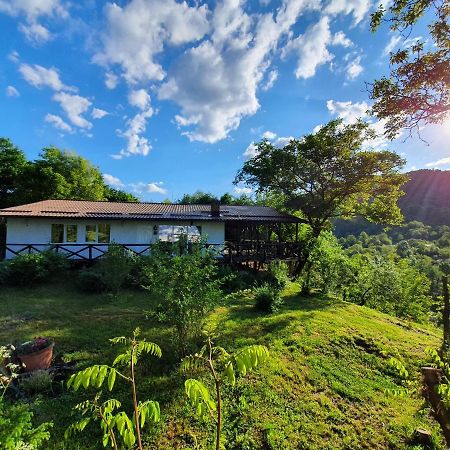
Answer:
[(104, 233), (100, 233), (71, 233), (173, 233), (63, 233), (57, 233)]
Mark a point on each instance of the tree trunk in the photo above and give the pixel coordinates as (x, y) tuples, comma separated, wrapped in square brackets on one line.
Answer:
[(446, 315), (431, 378)]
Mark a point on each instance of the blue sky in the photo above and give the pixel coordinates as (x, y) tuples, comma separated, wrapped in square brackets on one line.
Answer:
[(167, 97)]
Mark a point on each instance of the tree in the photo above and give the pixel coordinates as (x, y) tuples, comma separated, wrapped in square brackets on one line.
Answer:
[(60, 174), (327, 175), (117, 195), (12, 163), (416, 92)]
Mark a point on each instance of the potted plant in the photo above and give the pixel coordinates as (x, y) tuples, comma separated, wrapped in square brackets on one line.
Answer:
[(36, 354)]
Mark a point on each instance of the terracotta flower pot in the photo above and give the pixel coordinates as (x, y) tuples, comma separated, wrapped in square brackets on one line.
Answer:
[(38, 360)]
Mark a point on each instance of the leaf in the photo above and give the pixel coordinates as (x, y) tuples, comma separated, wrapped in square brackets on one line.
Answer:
[(91, 376), (199, 396), (229, 372), (249, 358), (111, 379), (123, 359), (149, 410)]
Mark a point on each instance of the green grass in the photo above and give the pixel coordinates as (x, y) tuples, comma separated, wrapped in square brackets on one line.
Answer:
[(323, 388)]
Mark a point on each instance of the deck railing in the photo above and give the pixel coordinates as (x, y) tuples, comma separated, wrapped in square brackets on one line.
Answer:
[(229, 251)]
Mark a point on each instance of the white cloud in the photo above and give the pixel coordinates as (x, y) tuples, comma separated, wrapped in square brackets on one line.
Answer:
[(98, 113), (139, 98), (270, 81), (341, 39), (311, 47), (243, 190), (32, 11), (152, 188), (215, 83), (11, 91), (354, 68), (39, 77), (439, 162), (358, 8), (281, 142), (136, 143), (113, 181), (349, 112), (57, 122), (14, 56), (74, 106), (251, 151), (392, 44), (269, 135), (111, 80), (136, 33)]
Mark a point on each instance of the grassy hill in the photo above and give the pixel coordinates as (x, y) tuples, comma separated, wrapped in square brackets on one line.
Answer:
[(324, 387)]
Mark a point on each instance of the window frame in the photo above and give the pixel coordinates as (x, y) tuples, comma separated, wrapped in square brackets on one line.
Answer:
[(64, 233), (191, 237), (97, 233)]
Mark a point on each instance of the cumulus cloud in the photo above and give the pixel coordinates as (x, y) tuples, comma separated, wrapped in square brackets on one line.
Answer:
[(40, 77), (311, 48), (354, 68), (136, 143), (74, 106), (111, 80), (98, 113), (242, 190), (439, 163), (32, 11), (11, 91), (269, 135), (58, 123), (357, 8), (152, 188), (215, 83), (251, 151), (139, 98), (278, 141), (113, 181), (270, 81), (136, 33)]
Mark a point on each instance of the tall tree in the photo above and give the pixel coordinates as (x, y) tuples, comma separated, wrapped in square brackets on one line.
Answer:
[(12, 163), (417, 91), (59, 174), (117, 195), (327, 174)]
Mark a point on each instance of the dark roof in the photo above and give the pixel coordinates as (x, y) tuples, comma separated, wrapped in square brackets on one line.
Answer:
[(145, 211)]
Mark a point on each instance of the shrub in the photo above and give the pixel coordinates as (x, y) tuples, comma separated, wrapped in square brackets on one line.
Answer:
[(114, 267), (267, 298), (37, 382), (278, 275), (55, 263), (24, 270), (91, 281), (16, 428)]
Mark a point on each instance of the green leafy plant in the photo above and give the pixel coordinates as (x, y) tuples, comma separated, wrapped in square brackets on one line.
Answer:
[(116, 423), (221, 366), (37, 382), (25, 270), (267, 298)]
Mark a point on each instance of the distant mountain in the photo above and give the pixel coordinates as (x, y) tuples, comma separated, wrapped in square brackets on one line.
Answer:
[(427, 197)]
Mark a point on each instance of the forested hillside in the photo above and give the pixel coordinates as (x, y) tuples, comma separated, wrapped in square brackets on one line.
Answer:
[(427, 197)]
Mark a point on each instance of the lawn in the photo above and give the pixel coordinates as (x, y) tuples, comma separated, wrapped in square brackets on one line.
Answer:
[(323, 388)]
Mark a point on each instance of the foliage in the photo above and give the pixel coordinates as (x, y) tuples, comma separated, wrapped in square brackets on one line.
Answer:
[(119, 423), (24, 270), (37, 382), (267, 298), (35, 345), (206, 198), (408, 381), (416, 91), (188, 285), (114, 267), (117, 195), (90, 280), (221, 366), (12, 162)]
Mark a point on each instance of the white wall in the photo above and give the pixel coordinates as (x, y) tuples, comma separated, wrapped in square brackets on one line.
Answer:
[(38, 231)]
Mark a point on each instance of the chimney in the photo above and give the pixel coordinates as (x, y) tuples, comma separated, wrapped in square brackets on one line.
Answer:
[(215, 209)]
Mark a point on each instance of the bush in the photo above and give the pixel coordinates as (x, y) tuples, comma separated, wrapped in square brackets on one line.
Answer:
[(37, 382), (16, 428), (55, 263), (91, 281), (24, 270), (267, 298)]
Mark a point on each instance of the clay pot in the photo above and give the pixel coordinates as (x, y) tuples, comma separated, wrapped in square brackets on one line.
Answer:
[(38, 360)]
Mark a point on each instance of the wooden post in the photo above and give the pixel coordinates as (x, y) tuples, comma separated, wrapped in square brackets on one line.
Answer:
[(446, 315), (431, 378)]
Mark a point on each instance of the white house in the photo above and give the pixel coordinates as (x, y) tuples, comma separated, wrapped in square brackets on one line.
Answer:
[(84, 229)]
